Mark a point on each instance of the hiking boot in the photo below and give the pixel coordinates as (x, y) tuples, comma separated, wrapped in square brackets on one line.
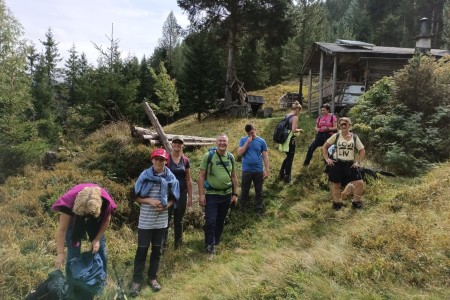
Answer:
[(280, 176), (337, 205), (210, 252), (356, 204), (135, 289), (259, 213), (287, 179), (154, 285)]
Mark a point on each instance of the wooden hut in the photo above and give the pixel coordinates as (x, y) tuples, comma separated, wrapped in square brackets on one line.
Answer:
[(351, 63)]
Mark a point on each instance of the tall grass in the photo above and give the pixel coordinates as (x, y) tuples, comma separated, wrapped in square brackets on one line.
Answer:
[(397, 247)]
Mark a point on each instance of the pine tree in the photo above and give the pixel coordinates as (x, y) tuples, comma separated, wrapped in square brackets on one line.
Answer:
[(166, 91), (72, 75), (201, 79), (170, 40), (44, 88), (236, 17), (19, 141)]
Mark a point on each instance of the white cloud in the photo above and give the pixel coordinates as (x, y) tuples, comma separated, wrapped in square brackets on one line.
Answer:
[(137, 23)]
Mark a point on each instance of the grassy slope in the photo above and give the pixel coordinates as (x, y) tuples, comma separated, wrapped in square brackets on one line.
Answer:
[(397, 247)]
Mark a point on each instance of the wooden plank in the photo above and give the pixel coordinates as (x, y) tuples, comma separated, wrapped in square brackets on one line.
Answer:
[(187, 144), (186, 138), (158, 127)]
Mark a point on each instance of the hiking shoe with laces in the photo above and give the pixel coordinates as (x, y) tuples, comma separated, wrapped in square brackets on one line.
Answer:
[(287, 179), (356, 204), (135, 289), (337, 205), (210, 252), (154, 285)]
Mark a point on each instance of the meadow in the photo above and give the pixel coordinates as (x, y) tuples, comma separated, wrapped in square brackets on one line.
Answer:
[(396, 247)]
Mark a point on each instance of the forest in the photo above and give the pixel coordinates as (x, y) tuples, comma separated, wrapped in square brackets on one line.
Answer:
[(46, 102)]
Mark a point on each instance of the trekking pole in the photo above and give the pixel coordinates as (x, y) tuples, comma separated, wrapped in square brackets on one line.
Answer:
[(120, 293)]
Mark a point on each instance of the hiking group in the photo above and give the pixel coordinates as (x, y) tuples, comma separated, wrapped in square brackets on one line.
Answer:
[(164, 190)]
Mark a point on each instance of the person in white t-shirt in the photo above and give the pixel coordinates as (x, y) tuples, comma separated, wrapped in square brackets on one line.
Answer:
[(345, 163)]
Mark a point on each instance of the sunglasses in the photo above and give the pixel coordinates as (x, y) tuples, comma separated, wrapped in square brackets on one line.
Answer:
[(343, 124)]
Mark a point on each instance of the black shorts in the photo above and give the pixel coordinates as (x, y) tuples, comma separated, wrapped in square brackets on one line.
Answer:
[(342, 172)]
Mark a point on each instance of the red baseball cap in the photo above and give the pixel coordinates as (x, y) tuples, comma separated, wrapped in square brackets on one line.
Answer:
[(160, 152)]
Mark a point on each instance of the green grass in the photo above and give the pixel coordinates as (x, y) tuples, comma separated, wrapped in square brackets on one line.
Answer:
[(397, 247)]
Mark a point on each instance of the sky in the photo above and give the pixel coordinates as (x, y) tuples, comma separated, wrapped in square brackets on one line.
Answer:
[(137, 24)]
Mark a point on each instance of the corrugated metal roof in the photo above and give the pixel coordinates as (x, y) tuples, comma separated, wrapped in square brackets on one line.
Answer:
[(332, 49), (335, 48), (354, 43)]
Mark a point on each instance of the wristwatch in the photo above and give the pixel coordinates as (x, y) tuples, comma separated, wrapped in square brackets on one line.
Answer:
[(234, 194)]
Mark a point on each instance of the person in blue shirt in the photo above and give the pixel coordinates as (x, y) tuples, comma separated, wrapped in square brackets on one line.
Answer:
[(255, 166)]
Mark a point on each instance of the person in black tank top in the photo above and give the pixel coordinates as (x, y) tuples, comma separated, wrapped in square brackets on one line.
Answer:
[(179, 164)]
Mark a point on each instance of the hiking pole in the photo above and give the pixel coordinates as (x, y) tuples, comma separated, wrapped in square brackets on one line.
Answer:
[(120, 293)]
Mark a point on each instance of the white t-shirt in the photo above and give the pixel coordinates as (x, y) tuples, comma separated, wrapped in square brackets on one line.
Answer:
[(345, 150)]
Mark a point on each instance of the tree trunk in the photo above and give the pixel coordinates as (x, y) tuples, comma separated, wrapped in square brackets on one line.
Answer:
[(230, 65)]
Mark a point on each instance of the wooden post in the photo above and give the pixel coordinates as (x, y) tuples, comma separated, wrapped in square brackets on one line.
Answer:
[(158, 127), (334, 83), (320, 82), (310, 91)]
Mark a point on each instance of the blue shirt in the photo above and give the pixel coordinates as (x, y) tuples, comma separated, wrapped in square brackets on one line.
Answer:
[(252, 160)]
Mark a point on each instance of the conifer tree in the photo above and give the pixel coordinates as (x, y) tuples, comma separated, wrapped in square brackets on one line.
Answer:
[(19, 140), (170, 40), (236, 17), (166, 91), (201, 78)]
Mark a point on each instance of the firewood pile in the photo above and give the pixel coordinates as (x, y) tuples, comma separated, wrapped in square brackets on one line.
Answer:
[(151, 137)]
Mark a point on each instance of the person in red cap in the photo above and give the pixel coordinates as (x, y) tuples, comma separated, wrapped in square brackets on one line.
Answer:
[(156, 190)]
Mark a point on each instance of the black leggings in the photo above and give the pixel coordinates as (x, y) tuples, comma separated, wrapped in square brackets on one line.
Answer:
[(286, 166)]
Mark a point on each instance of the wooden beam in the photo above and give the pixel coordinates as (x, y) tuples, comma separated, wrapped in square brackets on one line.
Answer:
[(309, 90), (158, 127), (320, 82), (186, 144), (333, 93)]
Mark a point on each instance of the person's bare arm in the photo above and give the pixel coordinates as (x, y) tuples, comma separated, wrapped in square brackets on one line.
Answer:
[(234, 179), (149, 201), (64, 220), (241, 150), (189, 186), (201, 188), (95, 244)]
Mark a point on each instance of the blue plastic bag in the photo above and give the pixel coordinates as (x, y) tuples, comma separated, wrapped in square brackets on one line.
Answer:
[(86, 273)]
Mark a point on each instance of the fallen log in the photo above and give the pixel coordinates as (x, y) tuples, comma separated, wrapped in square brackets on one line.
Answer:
[(158, 127), (145, 133), (187, 144)]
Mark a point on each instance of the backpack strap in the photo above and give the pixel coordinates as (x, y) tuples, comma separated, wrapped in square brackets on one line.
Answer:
[(208, 162), (183, 158)]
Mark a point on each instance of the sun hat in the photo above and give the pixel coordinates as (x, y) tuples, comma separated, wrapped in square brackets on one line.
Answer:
[(160, 152)]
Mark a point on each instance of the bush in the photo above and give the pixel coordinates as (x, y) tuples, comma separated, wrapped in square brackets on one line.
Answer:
[(404, 119)]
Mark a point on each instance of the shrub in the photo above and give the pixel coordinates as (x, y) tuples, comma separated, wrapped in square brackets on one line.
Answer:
[(404, 120)]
